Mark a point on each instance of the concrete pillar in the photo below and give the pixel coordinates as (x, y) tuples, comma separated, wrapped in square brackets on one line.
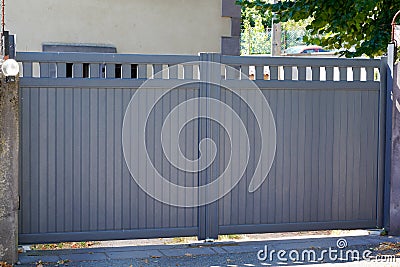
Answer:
[(9, 150), (276, 37), (394, 223)]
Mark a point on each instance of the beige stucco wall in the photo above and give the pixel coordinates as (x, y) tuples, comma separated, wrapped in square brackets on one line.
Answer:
[(133, 26)]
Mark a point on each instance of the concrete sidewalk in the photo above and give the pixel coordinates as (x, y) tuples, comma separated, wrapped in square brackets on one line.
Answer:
[(218, 253)]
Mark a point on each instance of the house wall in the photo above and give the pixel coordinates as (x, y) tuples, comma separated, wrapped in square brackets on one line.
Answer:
[(133, 26)]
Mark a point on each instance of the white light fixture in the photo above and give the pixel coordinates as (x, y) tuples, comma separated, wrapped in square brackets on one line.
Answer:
[(10, 67)]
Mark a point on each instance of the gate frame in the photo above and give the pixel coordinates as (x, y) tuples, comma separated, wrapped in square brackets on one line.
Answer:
[(208, 226)]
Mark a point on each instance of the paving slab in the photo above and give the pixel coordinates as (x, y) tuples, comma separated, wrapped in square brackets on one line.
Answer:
[(219, 250), (24, 259), (86, 257), (134, 254), (188, 251), (245, 248), (147, 247)]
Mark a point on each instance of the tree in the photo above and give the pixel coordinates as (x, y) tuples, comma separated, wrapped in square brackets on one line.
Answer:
[(355, 28), (251, 15), (256, 32), (254, 28)]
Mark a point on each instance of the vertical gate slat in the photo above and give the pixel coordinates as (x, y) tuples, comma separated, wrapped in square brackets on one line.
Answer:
[(294, 107), (244, 70), (78, 70), (68, 156), (316, 74), (61, 70), (111, 179), (231, 72), (329, 73), (102, 149), (60, 155), (351, 130), (126, 192), (27, 69), (76, 125), (42, 157), (273, 72), (51, 157), (356, 74), (301, 70), (25, 160), (118, 170), (44, 70), (370, 74), (33, 152), (94, 70), (173, 71), (188, 72), (259, 73), (287, 73), (110, 71), (142, 71), (343, 73), (316, 157), (126, 71), (157, 71)]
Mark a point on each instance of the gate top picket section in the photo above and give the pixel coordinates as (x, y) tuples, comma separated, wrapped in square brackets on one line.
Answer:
[(103, 65), (292, 68), (139, 66)]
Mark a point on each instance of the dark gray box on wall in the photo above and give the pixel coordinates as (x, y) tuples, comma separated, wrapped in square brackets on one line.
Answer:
[(83, 48)]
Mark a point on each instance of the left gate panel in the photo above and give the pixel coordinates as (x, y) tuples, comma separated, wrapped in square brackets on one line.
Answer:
[(75, 184)]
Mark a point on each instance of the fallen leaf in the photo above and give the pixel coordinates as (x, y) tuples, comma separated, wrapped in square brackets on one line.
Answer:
[(389, 246), (63, 261)]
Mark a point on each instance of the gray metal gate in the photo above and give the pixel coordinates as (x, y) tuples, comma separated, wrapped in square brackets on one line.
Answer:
[(327, 171)]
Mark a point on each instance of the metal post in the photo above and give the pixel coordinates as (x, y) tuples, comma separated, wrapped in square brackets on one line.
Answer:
[(388, 80), (9, 164), (211, 73), (383, 141), (6, 43), (11, 47)]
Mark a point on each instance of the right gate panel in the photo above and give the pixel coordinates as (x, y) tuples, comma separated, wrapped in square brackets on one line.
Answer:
[(325, 171)]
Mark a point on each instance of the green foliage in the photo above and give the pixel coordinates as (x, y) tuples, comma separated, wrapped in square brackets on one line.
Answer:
[(254, 27), (358, 27), (256, 32), (255, 39), (252, 16), (258, 41)]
